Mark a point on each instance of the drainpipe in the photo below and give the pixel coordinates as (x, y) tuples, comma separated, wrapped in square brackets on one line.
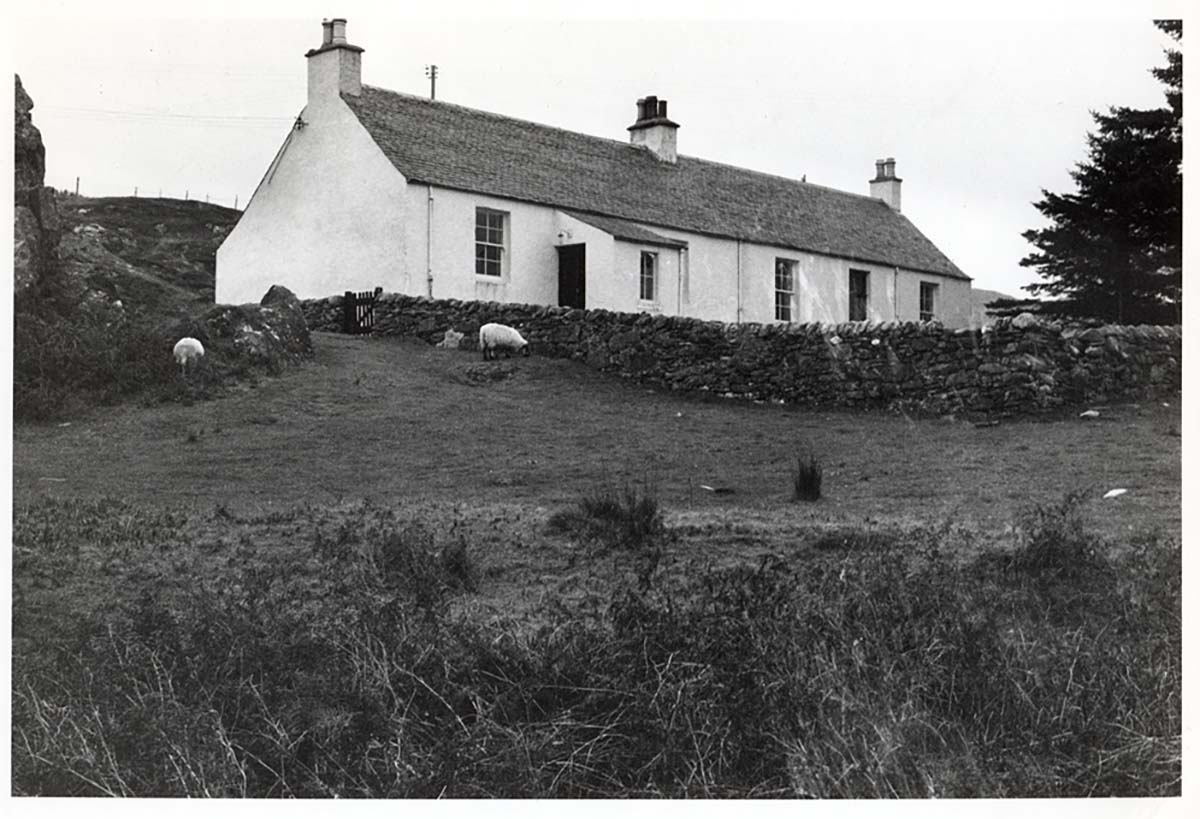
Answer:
[(679, 284), (895, 293), (429, 240), (739, 281)]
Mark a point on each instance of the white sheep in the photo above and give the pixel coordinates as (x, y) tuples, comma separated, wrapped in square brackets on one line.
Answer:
[(496, 337), (188, 351)]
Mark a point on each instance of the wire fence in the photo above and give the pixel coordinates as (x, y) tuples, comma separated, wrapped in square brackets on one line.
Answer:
[(236, 201)]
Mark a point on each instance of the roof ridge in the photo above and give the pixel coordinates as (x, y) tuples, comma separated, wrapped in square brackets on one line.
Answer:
[(494, 115), (621, 142), (770, 175)]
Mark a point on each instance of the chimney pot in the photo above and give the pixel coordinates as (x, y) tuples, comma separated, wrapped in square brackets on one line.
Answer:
[(662, 108), (326, 32), (889, 168), (339, 30), (649, 108)]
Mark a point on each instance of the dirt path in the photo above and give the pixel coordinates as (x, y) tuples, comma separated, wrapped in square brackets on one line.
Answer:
[(396, 421)]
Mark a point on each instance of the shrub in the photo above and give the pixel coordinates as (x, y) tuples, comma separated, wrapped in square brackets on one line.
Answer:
[(1054, 543), (806, 480)]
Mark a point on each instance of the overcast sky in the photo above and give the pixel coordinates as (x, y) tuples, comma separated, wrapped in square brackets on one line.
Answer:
[(980, 114)]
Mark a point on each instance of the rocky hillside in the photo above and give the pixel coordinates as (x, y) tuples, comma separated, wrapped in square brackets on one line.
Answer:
[(156, 254)]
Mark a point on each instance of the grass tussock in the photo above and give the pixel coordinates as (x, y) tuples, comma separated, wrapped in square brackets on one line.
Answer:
[(626, 518), (806, 479), (341, 667)]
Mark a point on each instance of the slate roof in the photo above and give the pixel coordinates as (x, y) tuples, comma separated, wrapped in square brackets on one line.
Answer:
[(452, 146), (621, 229)]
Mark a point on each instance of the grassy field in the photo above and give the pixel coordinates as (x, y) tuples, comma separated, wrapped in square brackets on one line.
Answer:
[(392, 420), (373, 576)]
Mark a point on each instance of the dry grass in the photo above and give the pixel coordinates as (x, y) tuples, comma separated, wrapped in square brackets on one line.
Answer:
[(310, 653)]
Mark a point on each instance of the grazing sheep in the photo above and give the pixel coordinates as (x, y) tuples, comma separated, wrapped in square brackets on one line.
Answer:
[(188, 351), (496, 337)]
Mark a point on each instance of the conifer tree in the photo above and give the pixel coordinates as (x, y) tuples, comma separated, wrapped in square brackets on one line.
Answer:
[(1114, 248)]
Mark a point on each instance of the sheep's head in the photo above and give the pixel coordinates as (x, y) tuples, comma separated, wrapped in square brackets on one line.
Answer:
[(525, 349)]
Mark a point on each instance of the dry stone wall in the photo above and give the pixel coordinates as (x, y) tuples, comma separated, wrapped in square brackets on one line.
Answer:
[(1016, 366)]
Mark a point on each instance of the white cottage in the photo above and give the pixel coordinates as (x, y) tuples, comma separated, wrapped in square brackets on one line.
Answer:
[(378, 189)]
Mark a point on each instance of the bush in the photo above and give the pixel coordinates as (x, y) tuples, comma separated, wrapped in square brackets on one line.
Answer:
[(70, 353)]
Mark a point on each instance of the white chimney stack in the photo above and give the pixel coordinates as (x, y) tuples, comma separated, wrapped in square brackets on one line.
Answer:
[(886, 185), (653, 130), (335, 67)]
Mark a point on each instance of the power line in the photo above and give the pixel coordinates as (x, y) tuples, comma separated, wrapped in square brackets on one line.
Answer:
[(164, 114)]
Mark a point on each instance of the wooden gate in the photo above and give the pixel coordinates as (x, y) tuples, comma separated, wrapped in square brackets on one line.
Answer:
[(358, 311)]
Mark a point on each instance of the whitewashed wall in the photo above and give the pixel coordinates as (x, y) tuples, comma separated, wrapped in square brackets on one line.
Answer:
[(328, 218), (531, 267)]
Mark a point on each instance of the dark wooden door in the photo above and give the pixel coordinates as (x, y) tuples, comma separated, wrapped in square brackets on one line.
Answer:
[(572, 280), (859, 294)]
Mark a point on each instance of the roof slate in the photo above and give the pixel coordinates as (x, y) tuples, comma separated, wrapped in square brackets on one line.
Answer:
[(452, 146)]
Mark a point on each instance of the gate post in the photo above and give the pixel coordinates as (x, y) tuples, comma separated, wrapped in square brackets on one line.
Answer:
[(349, 313)]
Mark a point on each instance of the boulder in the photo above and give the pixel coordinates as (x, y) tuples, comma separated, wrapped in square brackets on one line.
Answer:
[(269, 334)]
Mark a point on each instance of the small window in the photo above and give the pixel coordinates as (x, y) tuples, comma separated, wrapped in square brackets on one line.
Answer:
[(785, 289), (648, 290), (489, 242), (859, 294), (929, 292)]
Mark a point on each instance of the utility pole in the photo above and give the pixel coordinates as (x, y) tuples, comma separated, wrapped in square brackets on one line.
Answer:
[(431, 73), (185, 194), (135, 191), (77, 186)]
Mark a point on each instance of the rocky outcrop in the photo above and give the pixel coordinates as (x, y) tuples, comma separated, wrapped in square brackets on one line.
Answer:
[(1016, 366), (36, 225)]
